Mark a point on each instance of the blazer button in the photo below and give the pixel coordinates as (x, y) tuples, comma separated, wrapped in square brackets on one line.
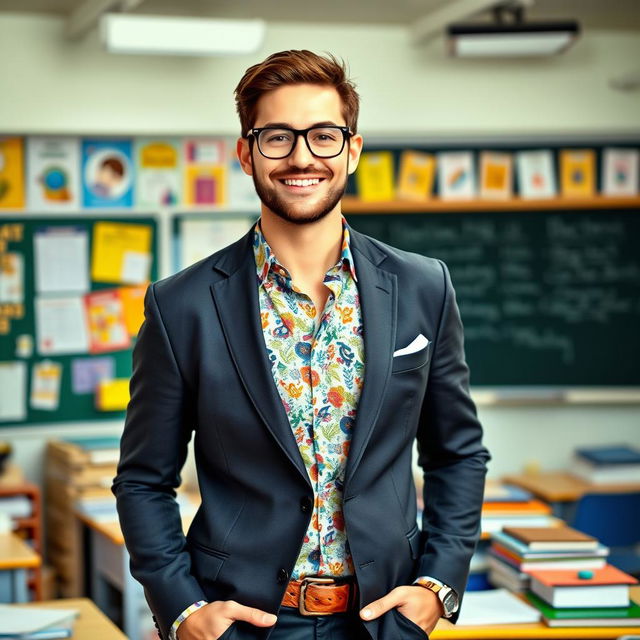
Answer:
[(305, 504), (283, 576)]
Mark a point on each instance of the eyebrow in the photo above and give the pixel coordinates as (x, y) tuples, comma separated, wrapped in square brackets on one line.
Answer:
[(287, 125)]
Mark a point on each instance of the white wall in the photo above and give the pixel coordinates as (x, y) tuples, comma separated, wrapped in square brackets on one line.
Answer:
[(48, 85)]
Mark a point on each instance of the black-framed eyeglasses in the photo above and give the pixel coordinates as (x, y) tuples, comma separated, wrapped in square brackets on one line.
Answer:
[(276, 143)]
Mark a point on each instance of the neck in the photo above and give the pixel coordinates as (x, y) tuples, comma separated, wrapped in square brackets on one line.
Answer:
[(307, 251)]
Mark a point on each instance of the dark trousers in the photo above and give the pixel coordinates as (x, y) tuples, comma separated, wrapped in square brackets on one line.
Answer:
[(338, 626)]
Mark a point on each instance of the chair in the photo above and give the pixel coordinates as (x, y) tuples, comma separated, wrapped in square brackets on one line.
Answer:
[(613, 518)]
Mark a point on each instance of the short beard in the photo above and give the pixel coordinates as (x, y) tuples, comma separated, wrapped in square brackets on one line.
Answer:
[(274, 203)]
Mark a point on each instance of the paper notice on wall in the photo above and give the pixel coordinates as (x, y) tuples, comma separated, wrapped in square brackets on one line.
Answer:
[(121, 252), (86, 373), (45, 385), (61, 326), (201, 238), (13, 384), (61, 259), (11, 278)]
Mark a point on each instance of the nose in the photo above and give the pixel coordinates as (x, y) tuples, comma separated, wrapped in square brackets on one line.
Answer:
[(300, 156)]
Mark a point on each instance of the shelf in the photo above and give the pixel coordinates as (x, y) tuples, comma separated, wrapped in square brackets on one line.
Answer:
[(351, 204)]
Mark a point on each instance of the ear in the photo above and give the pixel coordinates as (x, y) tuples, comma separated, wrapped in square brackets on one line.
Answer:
[(244, 155), (355, 149)]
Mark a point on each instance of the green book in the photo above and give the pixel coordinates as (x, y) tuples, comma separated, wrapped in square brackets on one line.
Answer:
[(588, 616)]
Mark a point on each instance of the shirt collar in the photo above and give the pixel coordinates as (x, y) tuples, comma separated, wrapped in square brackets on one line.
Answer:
[(266, 259)]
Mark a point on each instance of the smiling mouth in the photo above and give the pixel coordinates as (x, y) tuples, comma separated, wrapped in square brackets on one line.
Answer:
[(306, 182)]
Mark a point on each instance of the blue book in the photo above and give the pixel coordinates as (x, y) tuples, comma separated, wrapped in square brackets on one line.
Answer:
[(607, 455)]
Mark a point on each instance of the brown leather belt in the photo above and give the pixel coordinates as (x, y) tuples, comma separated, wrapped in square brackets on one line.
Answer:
[(320, 596)]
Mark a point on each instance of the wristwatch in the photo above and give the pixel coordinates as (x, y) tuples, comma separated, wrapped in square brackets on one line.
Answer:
[(446, 595)]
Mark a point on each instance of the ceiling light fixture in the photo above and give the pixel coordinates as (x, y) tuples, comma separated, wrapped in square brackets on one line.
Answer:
[(179, 36), (514, 37)]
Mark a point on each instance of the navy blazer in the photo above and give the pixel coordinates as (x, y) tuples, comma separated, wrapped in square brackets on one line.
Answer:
[(200, 365)]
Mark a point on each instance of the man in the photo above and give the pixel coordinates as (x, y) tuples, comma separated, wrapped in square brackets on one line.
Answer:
[(307, 358)]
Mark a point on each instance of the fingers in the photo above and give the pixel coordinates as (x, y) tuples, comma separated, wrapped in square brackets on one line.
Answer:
[(253, 616), (376, 608)]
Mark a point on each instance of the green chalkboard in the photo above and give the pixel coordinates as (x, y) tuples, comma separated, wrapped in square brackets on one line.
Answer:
[(17, 236), (547, 298)]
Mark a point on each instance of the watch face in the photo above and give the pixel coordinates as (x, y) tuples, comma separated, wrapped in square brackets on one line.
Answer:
[(449, 601)]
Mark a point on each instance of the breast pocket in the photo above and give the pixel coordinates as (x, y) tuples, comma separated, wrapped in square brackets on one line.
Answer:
[(411, 361)]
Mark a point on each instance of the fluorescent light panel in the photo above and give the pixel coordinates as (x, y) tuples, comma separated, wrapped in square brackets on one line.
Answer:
[(168, 35), (513, 40)]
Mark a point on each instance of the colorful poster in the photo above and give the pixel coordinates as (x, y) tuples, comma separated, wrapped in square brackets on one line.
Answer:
[(105, 317), (495, 175), (456, 178), (417, 170), (536, 176), (121, 252), (107, 173), (620, 172), (133, 307), (577, 172), (53, 178), (157, 172), (205, 172), (11, 173), (374, 176)]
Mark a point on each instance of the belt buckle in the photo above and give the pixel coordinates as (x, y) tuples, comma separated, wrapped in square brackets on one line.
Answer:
[(305, 582)]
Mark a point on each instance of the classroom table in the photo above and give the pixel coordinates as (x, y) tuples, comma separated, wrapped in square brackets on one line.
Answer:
[(562, 489), (533, 630), (110, 566), (91, 623), (16, 557)]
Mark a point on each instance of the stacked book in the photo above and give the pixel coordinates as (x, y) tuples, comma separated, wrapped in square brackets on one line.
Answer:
[(517, 551), (586, 598), (507, 506), (607, 465), (74, 469)]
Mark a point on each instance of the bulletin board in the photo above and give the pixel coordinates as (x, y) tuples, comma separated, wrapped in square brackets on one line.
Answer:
[(71, 300)]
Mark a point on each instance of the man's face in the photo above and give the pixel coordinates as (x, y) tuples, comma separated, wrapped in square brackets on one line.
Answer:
[(298, 107)]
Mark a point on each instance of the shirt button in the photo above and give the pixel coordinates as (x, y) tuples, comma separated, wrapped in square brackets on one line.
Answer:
[(283, 576), (305, 504)]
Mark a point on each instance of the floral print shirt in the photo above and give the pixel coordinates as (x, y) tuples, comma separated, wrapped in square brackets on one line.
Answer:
[(317, 361)]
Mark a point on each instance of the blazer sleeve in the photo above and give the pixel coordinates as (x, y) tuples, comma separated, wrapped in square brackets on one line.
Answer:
[(153, 450), (451, 454)]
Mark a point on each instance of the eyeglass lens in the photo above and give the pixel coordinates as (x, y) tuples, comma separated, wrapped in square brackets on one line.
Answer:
[(323, 142)]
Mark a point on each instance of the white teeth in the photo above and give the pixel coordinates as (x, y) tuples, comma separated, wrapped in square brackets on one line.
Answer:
[(301, 183)]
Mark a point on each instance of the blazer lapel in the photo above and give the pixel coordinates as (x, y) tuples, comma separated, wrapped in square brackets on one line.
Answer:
[(237, 303), (378, 299)]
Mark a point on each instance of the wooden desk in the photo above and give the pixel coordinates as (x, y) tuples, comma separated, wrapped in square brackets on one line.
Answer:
[(561, 489), (110, 566), (91, 624), (447, 631), (16, 556)]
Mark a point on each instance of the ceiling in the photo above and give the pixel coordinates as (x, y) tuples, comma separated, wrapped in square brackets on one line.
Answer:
[(592, 14)]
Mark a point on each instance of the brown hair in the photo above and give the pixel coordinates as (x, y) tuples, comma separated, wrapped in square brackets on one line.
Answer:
[(115, 165), (295, 67)]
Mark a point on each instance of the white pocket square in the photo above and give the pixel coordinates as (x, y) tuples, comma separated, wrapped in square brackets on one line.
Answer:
[(417, 345)]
